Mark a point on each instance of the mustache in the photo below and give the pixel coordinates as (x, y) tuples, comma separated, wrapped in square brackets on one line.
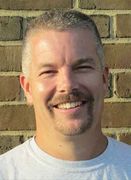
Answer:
[(71, 97)]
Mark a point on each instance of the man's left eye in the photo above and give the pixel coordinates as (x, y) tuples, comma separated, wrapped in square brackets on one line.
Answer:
[(84, 68)]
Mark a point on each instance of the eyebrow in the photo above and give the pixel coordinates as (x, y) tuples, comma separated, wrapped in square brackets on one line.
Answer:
[(46, 65)]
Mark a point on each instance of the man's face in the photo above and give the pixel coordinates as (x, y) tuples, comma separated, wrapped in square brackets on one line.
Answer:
[(66, 84)]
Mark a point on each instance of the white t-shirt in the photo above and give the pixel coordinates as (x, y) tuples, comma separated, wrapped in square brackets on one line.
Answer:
[(29, 162)]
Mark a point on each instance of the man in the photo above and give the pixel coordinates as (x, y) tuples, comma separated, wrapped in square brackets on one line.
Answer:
[(65, 79)]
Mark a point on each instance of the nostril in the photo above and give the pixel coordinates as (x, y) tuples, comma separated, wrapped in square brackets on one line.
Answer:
[(62, 91)]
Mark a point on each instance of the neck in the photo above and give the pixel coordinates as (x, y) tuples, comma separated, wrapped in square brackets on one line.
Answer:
[(81, 147)]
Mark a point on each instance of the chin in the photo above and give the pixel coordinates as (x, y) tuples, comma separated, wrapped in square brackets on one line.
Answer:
[(74, 128)]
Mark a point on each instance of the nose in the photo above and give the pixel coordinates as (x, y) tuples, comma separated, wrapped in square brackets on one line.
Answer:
[(67, 82)]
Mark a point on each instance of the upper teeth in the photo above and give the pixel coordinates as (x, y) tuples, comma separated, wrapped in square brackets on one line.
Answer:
[(69, 105)]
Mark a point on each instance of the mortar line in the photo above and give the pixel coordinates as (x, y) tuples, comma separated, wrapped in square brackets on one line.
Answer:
[(116, 40), (31, 132), (117, 130), (75, 4), (105, 12), (10, 43), (17, 133), (32, 13), (114, 26), (114, 85), (115, 99), (21, 13), (12, 103), (116, 71), (10, 73)]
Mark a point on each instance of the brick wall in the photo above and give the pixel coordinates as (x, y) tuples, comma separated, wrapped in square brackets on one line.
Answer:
[(113, 19)]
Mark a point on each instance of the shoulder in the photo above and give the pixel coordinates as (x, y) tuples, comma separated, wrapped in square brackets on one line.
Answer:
[(120, 146), (14, 160), (120, 151), (14, 154)]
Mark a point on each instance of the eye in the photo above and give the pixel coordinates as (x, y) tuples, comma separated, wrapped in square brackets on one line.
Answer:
[(83, 68), (47, 73)]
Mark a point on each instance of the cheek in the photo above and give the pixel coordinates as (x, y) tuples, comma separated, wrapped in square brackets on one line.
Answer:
[(93, 78), (94, 83), (42, 90), (41, 87), (38, 89)]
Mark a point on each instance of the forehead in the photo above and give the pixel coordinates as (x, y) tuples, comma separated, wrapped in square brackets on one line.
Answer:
[(74, 34), (69, 44)]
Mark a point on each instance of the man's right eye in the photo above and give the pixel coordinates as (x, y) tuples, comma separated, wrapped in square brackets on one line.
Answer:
[(47, 72)]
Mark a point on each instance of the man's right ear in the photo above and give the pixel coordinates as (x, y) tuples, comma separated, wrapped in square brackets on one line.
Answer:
[(25, 84)]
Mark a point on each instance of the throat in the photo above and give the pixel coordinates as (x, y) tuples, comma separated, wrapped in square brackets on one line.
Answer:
[(73, 149)]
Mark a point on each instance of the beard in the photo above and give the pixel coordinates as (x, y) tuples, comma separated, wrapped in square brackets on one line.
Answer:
[(83, 121)]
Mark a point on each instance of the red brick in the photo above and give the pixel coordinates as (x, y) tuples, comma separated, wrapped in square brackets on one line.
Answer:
[(123, 82), (102, 23), (109, 92), (16, 117), (108, 4), (10, 58), (33, 5), (10, 28), (123, 25), (118, 55), (8, 142), (117, 115), (126, 138), (9, 88)]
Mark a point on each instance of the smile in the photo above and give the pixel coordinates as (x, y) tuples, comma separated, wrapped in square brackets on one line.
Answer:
[(69, 105)]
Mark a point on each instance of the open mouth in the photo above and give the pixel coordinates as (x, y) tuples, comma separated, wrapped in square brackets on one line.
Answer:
[(69, 105)]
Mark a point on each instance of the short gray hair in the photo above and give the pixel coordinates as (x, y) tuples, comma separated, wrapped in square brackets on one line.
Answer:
[(60, 20)]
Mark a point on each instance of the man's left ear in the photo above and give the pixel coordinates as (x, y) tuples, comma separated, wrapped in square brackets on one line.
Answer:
[(106, 79)]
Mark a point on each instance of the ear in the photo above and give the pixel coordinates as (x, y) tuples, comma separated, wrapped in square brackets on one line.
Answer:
[(106, 79), (25, 84)]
